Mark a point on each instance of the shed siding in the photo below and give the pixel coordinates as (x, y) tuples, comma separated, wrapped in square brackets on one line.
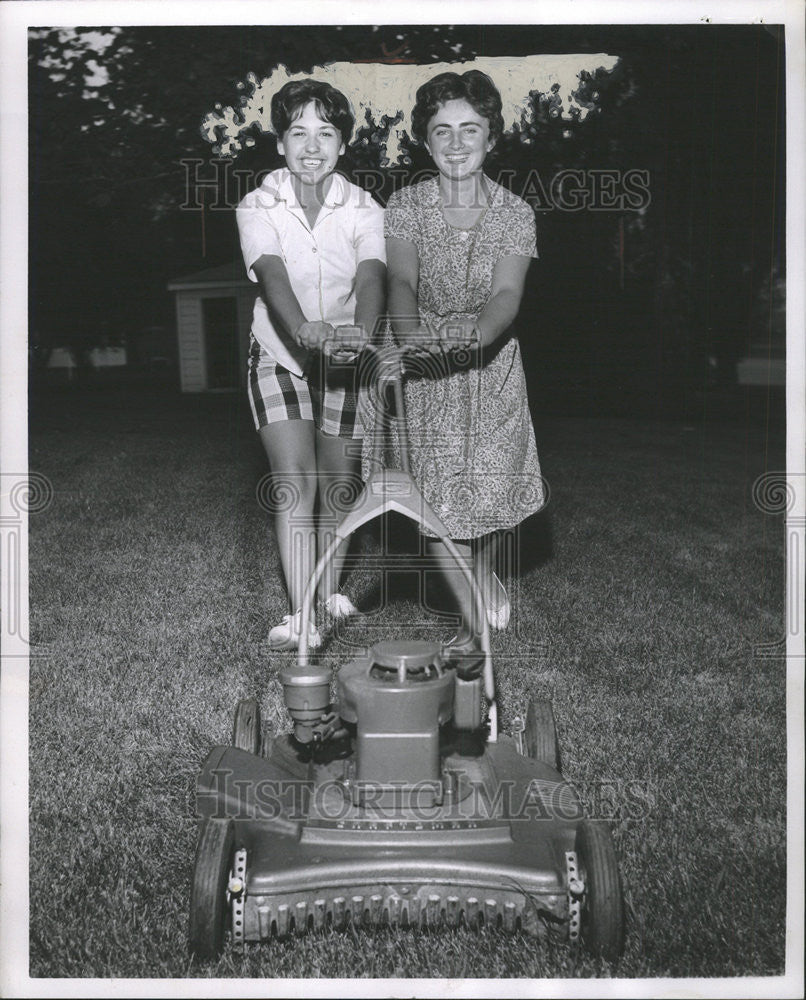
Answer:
[(190, 329), (190, 333)]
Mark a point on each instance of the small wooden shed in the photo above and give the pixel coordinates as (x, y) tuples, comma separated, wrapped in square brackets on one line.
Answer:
[(213, 319)]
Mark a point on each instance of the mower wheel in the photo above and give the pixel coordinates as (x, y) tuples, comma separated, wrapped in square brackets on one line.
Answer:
[(602, 914), (247, 732), (208, 898), (540, 735)]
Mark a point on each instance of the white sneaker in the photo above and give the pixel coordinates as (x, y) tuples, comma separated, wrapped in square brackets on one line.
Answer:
[(286, 635), (340, 606)]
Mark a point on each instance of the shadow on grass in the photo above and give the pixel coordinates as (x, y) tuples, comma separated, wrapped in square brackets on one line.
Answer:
[(389, 562), (535, 541)]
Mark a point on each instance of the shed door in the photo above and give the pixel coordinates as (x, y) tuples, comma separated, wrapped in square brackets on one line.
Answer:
[(221, 342)]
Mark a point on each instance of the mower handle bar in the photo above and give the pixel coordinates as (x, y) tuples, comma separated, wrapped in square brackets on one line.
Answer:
[(396, 490)]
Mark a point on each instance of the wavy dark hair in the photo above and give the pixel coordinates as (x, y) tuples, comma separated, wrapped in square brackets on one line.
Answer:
[(473, 86), (331, 106)]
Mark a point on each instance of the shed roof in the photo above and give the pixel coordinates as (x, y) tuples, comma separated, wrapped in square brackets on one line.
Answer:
[(225, 275)]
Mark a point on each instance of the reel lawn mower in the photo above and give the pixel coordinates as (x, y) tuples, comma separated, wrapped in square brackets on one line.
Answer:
[(400, 802)]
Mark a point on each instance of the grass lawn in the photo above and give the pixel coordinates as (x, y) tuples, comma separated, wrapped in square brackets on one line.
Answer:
[(645, 588)]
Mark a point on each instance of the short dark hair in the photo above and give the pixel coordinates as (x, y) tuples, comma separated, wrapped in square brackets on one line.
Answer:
[(473, 86), (331, 106)]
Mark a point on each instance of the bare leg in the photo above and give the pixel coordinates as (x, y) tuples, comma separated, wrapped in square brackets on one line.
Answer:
[(458, 586), (291, 450), (484, 557), (338, 476)]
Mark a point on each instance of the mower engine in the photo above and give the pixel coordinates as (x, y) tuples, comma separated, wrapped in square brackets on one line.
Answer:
[(398, 697)]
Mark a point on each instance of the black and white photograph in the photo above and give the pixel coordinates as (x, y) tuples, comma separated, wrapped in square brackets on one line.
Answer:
[(403, 499)]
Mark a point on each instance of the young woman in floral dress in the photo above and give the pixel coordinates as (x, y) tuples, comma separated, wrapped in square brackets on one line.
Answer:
[(459, 247)]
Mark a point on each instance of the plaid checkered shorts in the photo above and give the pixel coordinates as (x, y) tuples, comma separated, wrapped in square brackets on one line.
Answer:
[(328, 398)]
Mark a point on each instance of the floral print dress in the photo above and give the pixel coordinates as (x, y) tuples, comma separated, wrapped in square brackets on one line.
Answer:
[(471, 441)]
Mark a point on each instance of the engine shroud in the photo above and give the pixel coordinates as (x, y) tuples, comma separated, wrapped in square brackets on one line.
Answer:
[(398, 696)]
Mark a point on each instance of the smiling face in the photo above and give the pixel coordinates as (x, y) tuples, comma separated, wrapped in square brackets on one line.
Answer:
[(311, 146), (458, 139)]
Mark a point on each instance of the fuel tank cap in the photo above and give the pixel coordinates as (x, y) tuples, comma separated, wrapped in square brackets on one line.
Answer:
[(414, 654)]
